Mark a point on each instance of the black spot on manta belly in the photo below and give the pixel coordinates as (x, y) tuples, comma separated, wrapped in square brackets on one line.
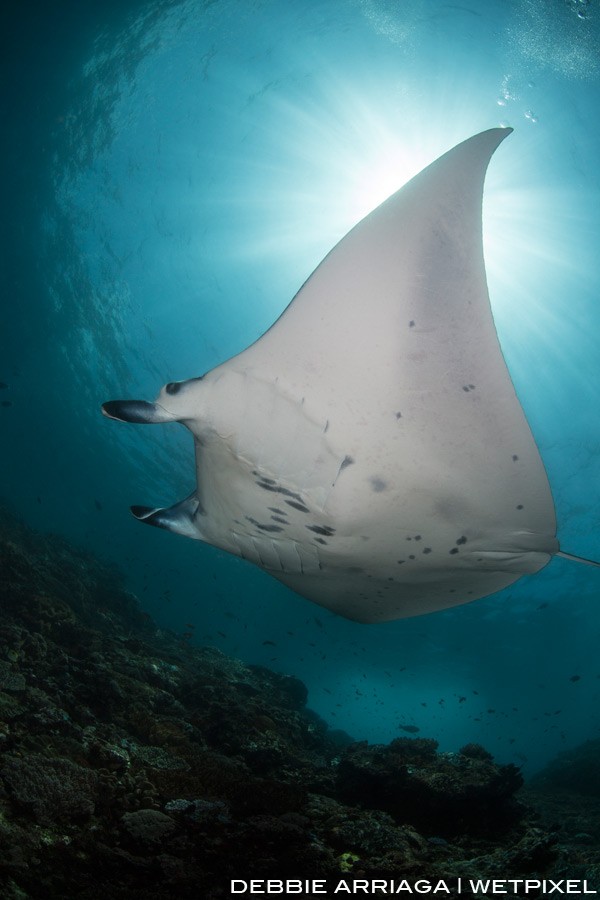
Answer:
[(271, 529), (299, 506), (263, 478), (280, 520), (461, 540), (321, 529), (454, 550), (378, 484), (347, 461)]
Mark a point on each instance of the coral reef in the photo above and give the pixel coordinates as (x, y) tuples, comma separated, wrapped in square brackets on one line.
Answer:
[(135, 765)]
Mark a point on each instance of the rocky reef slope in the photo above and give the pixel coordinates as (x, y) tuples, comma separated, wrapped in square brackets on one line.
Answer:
[(134, 765)]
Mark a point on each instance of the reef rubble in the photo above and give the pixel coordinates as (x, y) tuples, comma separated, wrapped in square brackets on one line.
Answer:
[(135, 765)]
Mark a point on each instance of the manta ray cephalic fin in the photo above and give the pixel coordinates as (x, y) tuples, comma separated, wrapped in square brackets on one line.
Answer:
[(179, 518)]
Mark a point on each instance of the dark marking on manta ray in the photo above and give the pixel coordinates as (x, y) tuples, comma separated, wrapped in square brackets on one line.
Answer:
[(468, 387), (326, 427), (398, 415), (173, 387), (280, 520), (264, 478), (515, 457), (277, 489), (299, 506), (462, 540), (378, 484), (520, 506), (454, 550), (347, 461), (411, 556), (321, 541), (426, 549), (275, 509), (411, 324), (321, 529), (272, 529)]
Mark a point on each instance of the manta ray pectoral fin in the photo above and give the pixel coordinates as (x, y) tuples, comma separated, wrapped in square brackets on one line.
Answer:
[(180, 518), (140, 412), (579, 559)]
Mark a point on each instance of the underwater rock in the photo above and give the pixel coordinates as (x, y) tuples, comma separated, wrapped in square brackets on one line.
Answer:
[(445, 794), (52, 789), (576, 769), (148, 826)]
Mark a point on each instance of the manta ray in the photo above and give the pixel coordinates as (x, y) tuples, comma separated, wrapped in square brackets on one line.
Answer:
[(369, 450)]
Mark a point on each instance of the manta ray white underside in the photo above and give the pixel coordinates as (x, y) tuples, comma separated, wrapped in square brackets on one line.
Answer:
[(369, 450)]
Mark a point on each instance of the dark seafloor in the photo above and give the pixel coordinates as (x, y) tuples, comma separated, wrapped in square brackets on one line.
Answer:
[(133, 764)]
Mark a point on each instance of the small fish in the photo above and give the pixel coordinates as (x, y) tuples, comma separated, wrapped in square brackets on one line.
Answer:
[(410, 729)]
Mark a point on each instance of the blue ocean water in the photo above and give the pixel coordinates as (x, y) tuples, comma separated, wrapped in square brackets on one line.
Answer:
[(173, 172)]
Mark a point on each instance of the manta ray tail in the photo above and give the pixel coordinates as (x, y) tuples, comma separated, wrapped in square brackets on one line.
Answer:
[(180, 518), (579, 559)]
